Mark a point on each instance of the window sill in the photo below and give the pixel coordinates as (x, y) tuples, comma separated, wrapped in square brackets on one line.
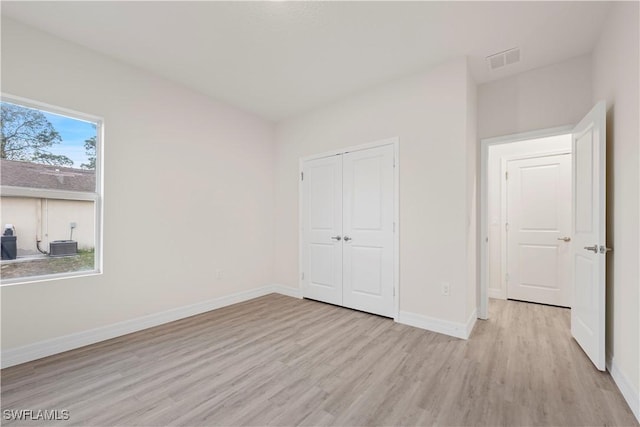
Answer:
[(48, 277)]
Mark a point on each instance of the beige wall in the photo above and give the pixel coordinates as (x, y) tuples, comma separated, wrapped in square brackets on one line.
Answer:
[(428, 113), (22, 213), (188, 190), (615, 79), (48, 220), (547, 97)]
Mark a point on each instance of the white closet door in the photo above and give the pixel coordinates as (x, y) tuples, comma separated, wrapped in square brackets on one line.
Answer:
[(368, 245), (322, 229)]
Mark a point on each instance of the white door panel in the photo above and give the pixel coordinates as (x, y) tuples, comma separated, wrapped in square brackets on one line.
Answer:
[(322, 224), (539, 217), (368, 229), (589, 234)]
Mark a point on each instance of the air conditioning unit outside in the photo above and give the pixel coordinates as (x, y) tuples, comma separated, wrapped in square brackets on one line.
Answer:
[(63, 248)]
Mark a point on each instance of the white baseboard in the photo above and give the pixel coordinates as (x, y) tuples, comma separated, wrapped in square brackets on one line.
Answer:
[(627, 389), (496, 293), (38, 350), (454, 329), (288, 291), (471, 322)]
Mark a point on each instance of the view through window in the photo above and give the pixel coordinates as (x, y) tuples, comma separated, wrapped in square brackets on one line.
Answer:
[(49, 189)]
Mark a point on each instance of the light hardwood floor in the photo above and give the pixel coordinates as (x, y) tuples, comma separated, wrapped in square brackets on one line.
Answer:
[(277, 360)]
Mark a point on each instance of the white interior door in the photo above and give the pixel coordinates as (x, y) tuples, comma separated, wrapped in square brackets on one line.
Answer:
[(539, 229), (368, 243), (322, 229), (589, 234)]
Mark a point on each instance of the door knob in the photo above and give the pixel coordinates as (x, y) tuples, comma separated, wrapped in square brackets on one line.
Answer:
[(347, 238), (604, 249), (336, 238), (593, 248), (565, 239)]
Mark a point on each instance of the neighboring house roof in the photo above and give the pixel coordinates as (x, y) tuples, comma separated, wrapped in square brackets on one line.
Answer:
[(35, 175)]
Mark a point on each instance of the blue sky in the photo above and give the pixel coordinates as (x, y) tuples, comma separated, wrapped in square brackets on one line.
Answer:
[(73, 133)]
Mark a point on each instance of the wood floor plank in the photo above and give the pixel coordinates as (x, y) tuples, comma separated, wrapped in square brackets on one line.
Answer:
[(280, 361)]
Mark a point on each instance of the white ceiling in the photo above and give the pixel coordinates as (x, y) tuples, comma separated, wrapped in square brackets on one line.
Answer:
[(278, 59)]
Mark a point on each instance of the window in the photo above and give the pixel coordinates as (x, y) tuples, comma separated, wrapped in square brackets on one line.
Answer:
[(50, 190)]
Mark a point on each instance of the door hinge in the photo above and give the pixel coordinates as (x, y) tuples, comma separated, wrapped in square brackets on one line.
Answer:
[(394, 162), (302, 276), (394, 227), (506, 226), (301, 176), (506, 278), (506, 175), (394, 291)]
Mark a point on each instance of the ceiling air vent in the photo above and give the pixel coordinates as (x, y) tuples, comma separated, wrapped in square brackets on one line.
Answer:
[(506, 57)]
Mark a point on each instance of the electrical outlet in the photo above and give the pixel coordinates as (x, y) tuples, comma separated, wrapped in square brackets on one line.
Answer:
[(445, 289), (218, 274)]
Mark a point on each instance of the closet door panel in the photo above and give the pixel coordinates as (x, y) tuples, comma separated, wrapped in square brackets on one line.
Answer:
[(322, 261), (368, 207)]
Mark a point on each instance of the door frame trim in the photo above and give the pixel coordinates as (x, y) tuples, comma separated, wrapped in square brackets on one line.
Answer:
[(485, 143), (395, 142)]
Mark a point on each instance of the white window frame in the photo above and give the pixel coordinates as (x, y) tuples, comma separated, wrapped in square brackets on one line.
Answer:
[(96, 197)]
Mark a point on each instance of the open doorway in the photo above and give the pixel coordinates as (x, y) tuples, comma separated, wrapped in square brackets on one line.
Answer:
[(529, 230), (587, 249)]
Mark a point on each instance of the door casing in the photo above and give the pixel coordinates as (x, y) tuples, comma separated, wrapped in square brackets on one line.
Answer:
[(395, 142)]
